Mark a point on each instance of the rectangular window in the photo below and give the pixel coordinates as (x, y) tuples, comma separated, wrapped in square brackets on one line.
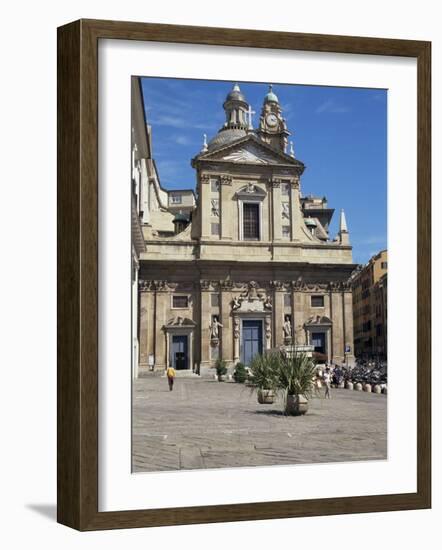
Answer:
[(251, 221), (214, 300), (317, 301), (214, 185), (215, 228), (287, 300), (286, 231), (176, 199), (180, 302), (384, 265)]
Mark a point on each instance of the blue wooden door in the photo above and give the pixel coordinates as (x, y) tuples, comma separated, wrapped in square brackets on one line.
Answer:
[(251, 340), (179, 352)]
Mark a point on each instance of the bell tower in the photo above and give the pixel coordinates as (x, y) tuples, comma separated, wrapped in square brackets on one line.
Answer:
[(272, 126)]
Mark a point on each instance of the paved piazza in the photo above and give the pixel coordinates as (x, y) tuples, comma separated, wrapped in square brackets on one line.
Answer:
[(208, 424)]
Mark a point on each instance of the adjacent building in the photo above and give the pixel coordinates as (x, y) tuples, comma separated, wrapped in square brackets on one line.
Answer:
[(247, 263), (370, 288)]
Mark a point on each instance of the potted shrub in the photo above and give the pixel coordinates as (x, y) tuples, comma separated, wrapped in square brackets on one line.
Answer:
[(240, 373), (296, 376), (263, 375), (221, 369)]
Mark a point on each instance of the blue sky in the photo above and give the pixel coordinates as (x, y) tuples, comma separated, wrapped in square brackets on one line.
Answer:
[(339, 133)]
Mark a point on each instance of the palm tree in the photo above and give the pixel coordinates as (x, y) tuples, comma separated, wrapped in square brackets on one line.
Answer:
[(296, 380), (264, 376)]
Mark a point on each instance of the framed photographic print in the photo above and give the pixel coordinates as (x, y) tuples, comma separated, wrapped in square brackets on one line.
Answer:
[(241, 216)]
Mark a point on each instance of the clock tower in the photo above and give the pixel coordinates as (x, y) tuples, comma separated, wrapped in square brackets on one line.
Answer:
[(272, 126)]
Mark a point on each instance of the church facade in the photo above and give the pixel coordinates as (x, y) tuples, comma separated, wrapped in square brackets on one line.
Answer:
[(246, 264)]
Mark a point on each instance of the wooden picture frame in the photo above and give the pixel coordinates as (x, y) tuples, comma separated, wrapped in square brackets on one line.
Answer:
[(77, 225)]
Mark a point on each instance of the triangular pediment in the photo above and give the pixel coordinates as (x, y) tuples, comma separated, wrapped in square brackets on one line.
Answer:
[(250, 150)]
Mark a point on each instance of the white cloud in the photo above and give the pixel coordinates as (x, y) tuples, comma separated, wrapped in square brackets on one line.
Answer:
[(330, 106)]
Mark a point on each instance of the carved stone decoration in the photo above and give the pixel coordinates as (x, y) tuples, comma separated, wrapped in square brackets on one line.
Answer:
[(205, 178), (279, 286), (215, 207), (285, 210), (144, 285), (268, 304), (225, 180), (298, 284), (207, 285), (268, 327), (164, 286), (275, 182), (236, 303), (227, 284), (235, 327)]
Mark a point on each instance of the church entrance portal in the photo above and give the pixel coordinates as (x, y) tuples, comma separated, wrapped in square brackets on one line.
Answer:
[(251, 343), (179, 351)]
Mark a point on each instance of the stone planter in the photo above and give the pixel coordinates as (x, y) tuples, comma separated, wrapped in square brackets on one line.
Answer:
[(367, 388), (358, 386), (266, 397), (341, 385), (377, 389), (384, 390), (296, 405), (349, 385)]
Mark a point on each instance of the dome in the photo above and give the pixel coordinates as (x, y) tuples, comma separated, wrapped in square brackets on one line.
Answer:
[(235, 95), (270, 96), (224, 137)]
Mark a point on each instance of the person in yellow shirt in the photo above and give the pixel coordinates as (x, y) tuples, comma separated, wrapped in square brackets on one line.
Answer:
[(170, 373)]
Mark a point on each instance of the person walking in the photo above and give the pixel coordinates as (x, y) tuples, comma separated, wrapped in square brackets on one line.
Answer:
[(170, 373), (327, 382)]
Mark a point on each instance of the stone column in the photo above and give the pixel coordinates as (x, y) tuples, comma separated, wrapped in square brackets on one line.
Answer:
[(204, 322), (205, 206), (226, 321), (226, 207), (277, 209), (278, 313), (162, 298)]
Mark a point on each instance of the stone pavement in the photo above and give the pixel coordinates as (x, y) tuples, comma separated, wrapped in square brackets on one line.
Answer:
[(209, 424)]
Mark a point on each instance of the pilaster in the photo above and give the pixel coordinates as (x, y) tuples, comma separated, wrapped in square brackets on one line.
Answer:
[(337, 326), (205, 210), (276, 214), (145, 298), (226, 213), (226, 321), (161, 302), (205, 320), (296, 218), (278, 313)]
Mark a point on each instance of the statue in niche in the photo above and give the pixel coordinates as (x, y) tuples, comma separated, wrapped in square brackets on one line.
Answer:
[(214, 328), (285, 210), (287, 327)]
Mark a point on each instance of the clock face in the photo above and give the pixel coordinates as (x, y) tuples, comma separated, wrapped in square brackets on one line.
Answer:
[(271, 120)]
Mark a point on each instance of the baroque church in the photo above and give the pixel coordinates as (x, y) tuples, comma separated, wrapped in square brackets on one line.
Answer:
[(246, 263)]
